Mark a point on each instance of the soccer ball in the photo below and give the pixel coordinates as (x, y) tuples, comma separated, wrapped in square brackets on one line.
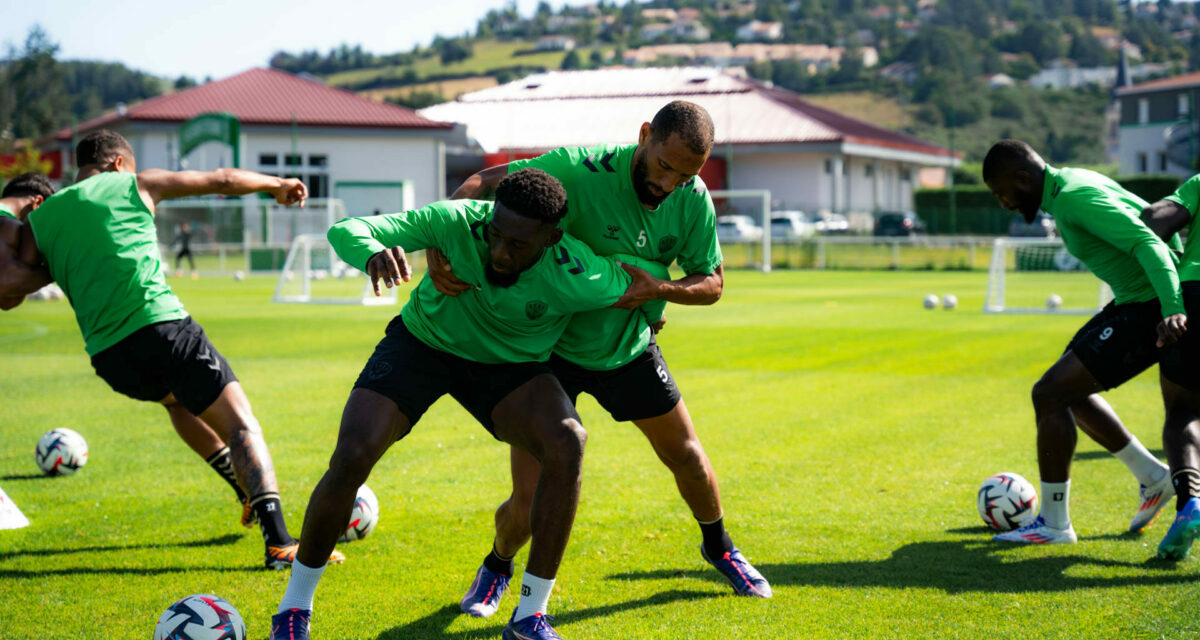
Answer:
[(949, 301), (200, 617), (239, 275), (363, 517), (931, 301), (1053, 301), (1007, 501), (61, 452)]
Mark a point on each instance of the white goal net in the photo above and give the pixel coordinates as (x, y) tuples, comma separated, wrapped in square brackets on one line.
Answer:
[(1040, 276), (313, 274)]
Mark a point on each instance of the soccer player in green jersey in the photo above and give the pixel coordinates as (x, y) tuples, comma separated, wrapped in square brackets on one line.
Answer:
[(646, 200), (22, 194), (1100, 225), (98, 240), (487, 348), (1179, 376)]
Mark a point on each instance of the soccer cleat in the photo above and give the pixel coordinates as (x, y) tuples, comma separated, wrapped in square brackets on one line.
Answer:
[(1186, 528), (290, 625), (534, 627), (483, 598), (279, 558), (249, 518), (746, 580), (1151, 500), (1038, 532)]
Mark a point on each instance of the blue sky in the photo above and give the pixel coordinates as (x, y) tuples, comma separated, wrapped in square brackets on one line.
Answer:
[(219, 38)]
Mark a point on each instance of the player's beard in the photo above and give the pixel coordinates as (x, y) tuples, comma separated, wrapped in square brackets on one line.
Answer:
[(497, 279), (641, 185)]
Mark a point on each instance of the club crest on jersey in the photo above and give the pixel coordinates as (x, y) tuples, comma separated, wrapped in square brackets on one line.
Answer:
[(666, 243), (611, 231), (379, 369), (535, 309)]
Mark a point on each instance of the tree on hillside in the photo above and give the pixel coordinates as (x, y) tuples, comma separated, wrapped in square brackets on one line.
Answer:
[(33, 97), (1043, 40), (456, 50), (571, 61)]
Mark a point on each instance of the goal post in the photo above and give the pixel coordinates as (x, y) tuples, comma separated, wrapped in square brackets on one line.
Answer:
[(314, 274), (754, 204), (1039, 276)]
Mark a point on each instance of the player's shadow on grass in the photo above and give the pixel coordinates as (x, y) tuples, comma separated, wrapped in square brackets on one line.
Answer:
[(436, 624), (218, 541), (24, 476), (1104, 455), (955, 567)]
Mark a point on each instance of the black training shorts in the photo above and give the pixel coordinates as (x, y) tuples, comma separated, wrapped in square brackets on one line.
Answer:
[(641, 389), (414, 375), (173, 357), (1118, 343), (1180, 362)]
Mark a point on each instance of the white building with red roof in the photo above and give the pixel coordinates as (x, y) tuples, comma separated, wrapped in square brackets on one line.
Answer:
[(341, 144), (810, 158), (1158, 126)]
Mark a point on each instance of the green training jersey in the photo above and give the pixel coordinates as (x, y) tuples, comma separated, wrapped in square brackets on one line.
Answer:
[(100, 244), (605, 213), (486, 324), (1188, 197), (5, 211), (1100, 223)]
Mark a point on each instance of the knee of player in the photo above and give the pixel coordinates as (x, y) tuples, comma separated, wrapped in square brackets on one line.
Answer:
[(1047, 392), (352, 461), (565, 442), (683, 455)]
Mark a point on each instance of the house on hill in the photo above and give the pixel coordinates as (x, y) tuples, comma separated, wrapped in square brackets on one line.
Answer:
[(810, 158)]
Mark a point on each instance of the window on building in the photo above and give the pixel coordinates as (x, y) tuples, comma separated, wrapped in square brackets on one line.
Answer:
[(828, 165), (1185, 104), (845, 167), (268, 159), (318, 160), (1162, 160), (868, 170), (1141, 162), (1143, 110), (315, 176), (318, 185), (293, 160), (905, 174)]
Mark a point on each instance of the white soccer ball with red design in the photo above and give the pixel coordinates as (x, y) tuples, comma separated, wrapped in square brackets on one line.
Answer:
[(1007, 501), (61, 452), (200, 617), (363, 517)]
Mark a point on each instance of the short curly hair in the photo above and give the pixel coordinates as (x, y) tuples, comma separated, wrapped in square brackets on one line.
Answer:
[(28, 184), (533, 193), (688, 119), (98, 146), (1007, 157)]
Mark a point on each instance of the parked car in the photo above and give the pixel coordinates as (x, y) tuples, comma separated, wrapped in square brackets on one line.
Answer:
[(898, 223), (738, 228), (787, 226), (831, 223), (1042, 226)]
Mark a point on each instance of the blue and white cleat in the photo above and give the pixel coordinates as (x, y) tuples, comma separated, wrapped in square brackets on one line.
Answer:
[(746, 580), (1186, 528), (1151, 499), (1038, 532), (483, 598), (534, 627), (290, 625)]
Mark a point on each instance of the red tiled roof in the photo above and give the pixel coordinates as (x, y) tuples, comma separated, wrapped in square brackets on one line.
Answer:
[(1176, 82), (269, 97)]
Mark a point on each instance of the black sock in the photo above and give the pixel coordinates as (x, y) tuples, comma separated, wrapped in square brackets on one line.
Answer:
[(716, 539), (498, 564), (270, 519), (1187, 485), (221, 463)]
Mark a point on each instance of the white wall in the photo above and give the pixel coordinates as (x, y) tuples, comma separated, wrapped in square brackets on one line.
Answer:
[(796, 180), (1132, 140)]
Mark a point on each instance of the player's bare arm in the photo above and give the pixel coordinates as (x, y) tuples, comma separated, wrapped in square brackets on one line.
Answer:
[(18, 254), (1166, 218), (697, 289), (481, 185), (391, 266), (157, 185)]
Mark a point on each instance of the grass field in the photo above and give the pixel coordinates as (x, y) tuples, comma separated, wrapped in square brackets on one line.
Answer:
[(849, 427)]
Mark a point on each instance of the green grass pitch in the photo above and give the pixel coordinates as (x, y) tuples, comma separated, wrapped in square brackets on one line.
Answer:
[(849, 427)]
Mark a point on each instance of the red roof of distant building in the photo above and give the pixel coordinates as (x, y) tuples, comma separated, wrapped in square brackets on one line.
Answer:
[(1176, 82), (269, 97)]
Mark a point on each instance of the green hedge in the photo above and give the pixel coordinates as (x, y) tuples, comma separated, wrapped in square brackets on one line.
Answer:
[(1151, 187)]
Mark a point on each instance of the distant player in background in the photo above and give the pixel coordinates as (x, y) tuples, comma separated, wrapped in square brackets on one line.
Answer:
[(1100, 225), (184, 240), (647, 200), (1179, 372), (22, 194), (98, 240)]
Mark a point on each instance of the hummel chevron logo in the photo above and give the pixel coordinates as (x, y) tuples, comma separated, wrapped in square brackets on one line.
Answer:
[(563, 257), (589, 162), (206, 356), (475, 228)]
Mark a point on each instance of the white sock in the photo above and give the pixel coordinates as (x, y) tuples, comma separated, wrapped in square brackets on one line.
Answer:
[(1144, 466), (535, 592), (1055, 496), (301, 587)]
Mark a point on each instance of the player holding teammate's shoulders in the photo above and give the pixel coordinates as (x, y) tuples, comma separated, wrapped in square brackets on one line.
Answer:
[(646, 200), (1179, 375), (487, 348), (98, 240), (1100, 225)]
